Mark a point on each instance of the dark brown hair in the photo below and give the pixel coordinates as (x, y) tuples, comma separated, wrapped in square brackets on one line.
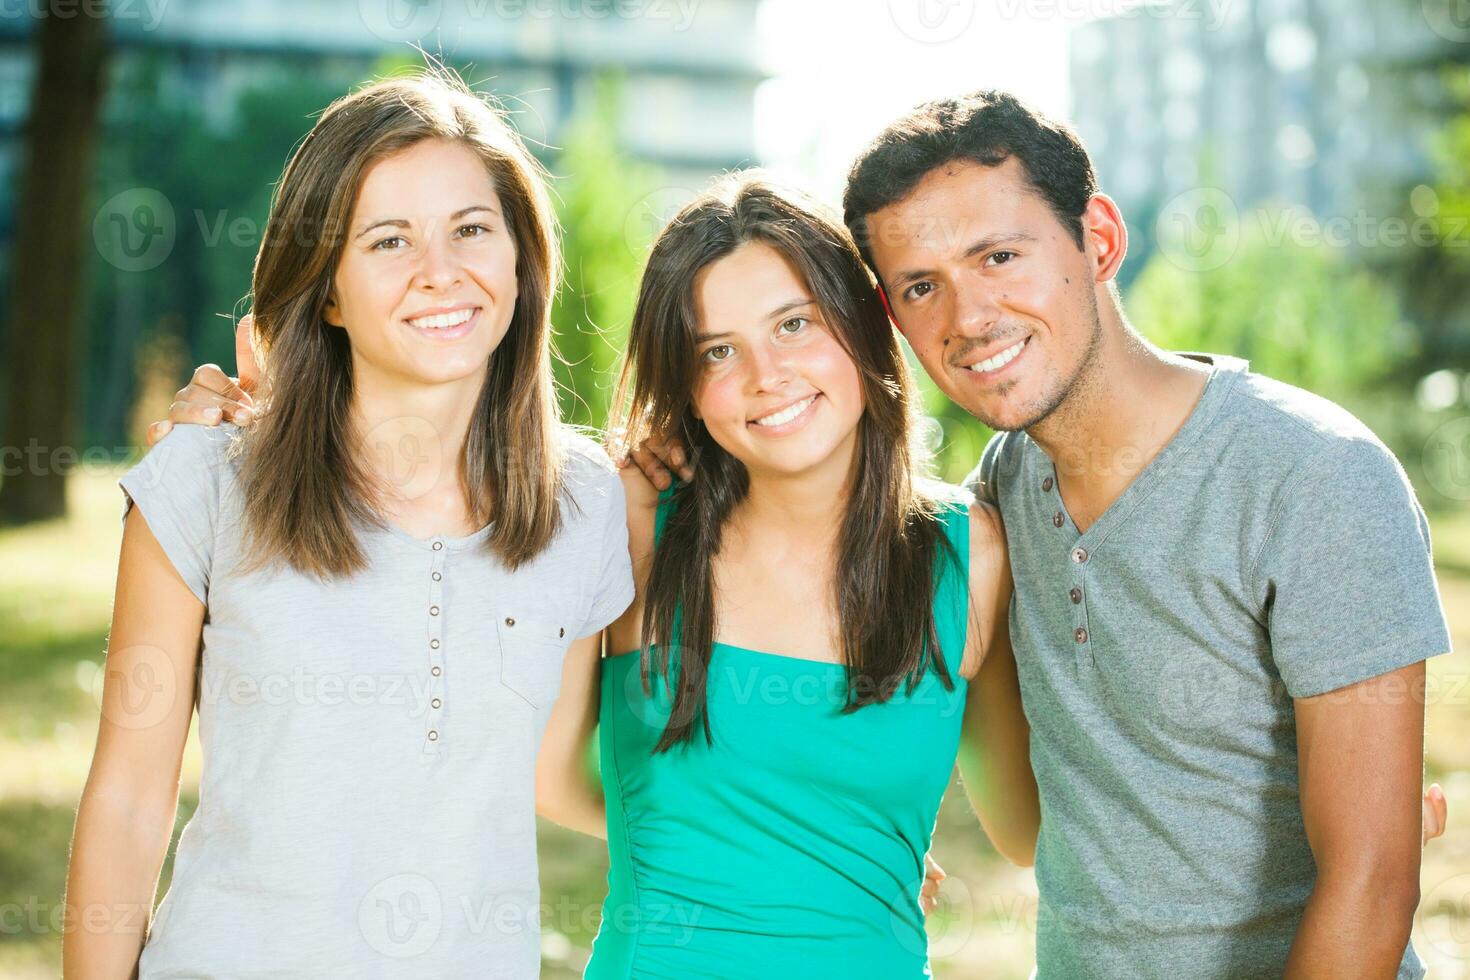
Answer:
[(304, 483), (986, 127), (891, 535)]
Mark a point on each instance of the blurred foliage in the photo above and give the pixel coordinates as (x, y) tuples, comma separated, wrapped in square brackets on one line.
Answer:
[(1301, 313), (218, 172), (599, 195)]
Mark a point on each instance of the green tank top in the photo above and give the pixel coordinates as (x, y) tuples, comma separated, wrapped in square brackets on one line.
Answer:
[(794, 844)]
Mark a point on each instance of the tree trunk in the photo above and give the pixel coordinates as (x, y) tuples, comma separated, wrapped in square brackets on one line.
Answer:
[(48, 259)]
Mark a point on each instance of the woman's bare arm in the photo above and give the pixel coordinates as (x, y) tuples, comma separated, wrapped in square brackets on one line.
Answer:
[(568, 789), (126, 815), (995, 745)]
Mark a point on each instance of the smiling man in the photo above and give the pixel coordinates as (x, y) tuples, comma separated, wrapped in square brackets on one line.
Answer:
[(1224, 591)]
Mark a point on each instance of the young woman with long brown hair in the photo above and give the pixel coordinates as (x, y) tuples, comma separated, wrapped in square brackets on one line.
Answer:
[(369, 594), (817, 621)]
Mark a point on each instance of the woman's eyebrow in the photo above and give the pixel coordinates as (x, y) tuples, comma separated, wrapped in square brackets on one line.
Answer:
[(389, 222), (789, 305), (403, 223)]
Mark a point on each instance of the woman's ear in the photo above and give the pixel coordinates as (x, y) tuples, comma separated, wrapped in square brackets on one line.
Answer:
[(332, 313)]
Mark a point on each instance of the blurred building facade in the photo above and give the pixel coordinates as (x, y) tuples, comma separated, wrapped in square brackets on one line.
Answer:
[(687, 69), (1283, 102)]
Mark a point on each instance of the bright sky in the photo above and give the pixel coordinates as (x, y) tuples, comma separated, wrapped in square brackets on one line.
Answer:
[(845, 68)]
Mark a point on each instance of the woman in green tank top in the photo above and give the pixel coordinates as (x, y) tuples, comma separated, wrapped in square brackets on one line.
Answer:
[(818, 631)]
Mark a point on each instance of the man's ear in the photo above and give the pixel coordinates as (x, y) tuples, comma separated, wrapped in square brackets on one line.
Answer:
[(1102, 222)]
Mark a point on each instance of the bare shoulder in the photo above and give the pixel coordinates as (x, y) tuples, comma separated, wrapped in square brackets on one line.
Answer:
[(639, 491), (990, 583), (990, 567), (987, 532), (641, 498)]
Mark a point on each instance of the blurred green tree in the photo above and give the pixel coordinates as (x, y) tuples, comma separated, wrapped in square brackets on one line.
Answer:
[(44, 306), (1299, 311), (599, 192)]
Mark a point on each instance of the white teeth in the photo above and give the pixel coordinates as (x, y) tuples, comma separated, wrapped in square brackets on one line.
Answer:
[(442, 321), (786, 414), (1000, 360)]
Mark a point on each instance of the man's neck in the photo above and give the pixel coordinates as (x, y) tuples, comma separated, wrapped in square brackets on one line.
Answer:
[(1129, 404)]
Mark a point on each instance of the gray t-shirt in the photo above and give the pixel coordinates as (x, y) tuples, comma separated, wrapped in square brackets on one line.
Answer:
[(367, 802), (1272, 550)]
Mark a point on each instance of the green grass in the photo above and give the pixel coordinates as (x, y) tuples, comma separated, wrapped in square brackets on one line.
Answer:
[(55, 595)]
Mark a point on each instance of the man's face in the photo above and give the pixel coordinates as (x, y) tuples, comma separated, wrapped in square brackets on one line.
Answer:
[(990, 290)]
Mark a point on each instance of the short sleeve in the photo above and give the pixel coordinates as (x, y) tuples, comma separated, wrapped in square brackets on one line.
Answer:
[(177, 488), (982, 479), (1348, 574), (613, 590)]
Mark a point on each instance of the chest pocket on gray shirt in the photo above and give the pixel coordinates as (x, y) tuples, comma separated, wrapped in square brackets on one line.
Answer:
[(532, 648)]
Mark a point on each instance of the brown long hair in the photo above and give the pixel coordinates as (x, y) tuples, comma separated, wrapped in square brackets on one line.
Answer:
[(305, 487), (891, 533)]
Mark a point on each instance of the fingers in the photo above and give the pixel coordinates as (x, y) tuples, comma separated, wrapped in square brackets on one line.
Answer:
[(245, 365), (211, 388), (201, 406), (157, 431), (671, 454), (651, 466), (934, 875), (929, 896), (211, 377), (1436, 812)]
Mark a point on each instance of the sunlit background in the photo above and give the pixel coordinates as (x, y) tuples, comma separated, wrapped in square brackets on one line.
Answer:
[(1295, 175)]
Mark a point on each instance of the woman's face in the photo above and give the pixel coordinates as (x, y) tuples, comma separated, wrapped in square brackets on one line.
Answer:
[(426, 284), (775, 389)]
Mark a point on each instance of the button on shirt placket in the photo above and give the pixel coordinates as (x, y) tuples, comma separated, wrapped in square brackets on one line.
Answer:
[(1078, 557), (434, 726)]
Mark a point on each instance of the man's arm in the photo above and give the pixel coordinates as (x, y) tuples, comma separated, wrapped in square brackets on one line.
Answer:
[(1361, 751)]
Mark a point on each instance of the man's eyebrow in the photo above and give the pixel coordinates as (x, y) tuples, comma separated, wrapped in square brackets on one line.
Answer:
[(991, 241), (402, 223), (898, 280)]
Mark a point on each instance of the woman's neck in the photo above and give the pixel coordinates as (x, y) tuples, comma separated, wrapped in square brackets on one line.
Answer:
[(798, 512), (411, 439)]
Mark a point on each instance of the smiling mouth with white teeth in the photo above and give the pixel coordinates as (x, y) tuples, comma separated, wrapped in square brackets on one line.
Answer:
[(998, 361), (443, 321), (788, 414)]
